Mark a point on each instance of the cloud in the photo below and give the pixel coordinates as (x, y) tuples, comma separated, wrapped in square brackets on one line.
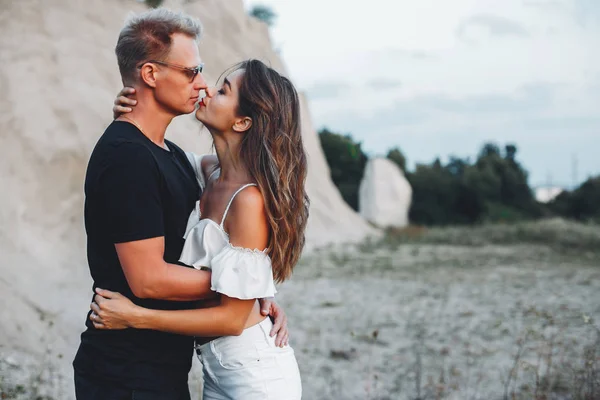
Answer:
[(527, 99), (586, 13), (400, 113), (494, 24), (562, 123), (414, 54), (397, 54), (530, 105), (327, 90), (383, 84), (533, 117), (544, 4)]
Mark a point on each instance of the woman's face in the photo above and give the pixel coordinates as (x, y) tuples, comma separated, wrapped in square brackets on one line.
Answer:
[(218, 110)]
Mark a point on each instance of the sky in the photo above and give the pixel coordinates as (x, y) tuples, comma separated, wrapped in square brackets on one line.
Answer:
[(441, 77)]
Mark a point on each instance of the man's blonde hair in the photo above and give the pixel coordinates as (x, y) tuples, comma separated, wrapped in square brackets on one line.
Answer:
[(148, 36)]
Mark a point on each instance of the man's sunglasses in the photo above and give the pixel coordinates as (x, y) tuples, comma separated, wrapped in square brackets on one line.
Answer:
[(191, 72)]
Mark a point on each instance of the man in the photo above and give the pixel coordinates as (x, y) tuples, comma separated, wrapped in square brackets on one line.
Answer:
[(140, 190)]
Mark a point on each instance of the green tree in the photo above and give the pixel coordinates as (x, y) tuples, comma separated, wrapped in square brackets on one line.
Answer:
[(154, 3), (504, 184), (444, 195), (457, 166), (346, 161), (493, 188), (434, 193), (397, 157), (264, 13), (582, 204), (489, 149), (510, 151)]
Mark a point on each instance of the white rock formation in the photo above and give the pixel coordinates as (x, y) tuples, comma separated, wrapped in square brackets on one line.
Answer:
[(384, 195), (546, 194), (58, 78)]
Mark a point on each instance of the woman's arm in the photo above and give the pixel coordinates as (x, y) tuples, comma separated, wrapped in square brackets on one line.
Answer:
[(248, 228), (114, 311), (227, 319), (124, 102)]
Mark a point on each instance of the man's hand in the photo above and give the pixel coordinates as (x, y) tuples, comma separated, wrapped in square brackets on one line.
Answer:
[(111, 310), (273, 310)]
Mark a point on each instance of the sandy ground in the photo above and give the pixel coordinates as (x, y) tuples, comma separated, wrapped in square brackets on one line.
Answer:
[(424, 321)]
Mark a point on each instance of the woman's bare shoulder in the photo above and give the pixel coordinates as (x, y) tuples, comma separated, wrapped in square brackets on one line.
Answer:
[(247, 219)]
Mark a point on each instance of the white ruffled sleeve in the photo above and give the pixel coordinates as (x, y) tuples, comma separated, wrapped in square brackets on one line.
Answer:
[(203, 240), (242, 273), (196, 162)]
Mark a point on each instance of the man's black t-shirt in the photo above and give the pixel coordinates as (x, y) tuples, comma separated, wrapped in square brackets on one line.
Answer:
[(135, 190)]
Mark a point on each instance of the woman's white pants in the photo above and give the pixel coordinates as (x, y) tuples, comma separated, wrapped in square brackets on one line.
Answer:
[(249, 367)]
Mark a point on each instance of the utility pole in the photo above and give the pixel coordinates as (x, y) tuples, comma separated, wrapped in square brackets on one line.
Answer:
[(574, 171)]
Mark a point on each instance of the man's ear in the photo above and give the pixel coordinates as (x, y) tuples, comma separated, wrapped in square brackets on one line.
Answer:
[(148, 74), (242, 124)]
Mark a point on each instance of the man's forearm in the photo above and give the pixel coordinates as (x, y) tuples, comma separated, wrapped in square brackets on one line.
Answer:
[(150, 277), (178, 283)]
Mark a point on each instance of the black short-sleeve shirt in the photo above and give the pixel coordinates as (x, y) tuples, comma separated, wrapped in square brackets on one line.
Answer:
[(135, 190)]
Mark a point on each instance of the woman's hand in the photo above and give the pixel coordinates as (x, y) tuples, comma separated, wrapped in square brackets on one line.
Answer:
[(276, 313), (124, 101), (111, 310)]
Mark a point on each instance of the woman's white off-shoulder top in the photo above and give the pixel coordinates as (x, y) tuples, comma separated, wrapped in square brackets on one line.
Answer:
[(236, 271)]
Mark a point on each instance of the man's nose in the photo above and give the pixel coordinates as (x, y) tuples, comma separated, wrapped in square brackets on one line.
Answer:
[(199, 82)]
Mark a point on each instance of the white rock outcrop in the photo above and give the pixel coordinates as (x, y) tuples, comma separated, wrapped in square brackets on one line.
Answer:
[(546, 194), (384, 195), (58, 78)]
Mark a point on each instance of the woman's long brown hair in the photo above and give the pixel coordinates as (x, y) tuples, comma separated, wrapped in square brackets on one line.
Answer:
[(273, 151)]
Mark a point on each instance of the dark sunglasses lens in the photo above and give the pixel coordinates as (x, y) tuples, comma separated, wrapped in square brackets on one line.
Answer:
[(194, 72)]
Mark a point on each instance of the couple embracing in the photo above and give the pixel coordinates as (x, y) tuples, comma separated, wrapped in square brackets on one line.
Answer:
[(185, 250)]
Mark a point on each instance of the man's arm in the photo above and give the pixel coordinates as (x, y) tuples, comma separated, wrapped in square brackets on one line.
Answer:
[(249, 229), (149, 276), (133, 214), (227, 318)]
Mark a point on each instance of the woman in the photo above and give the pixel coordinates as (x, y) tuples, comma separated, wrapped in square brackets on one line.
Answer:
[(248, 228)]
